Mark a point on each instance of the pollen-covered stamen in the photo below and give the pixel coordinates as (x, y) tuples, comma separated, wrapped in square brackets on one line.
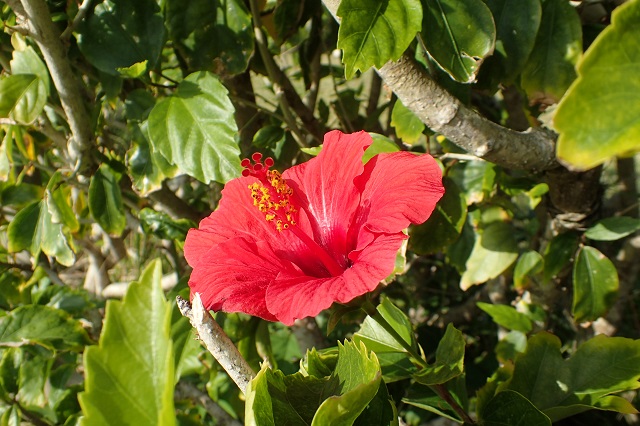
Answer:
[(271, 194)]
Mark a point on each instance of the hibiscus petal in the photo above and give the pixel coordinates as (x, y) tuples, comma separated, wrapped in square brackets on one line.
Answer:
[(291, 296), (235, 217), (397, 189), (233, 276), (324, 186)]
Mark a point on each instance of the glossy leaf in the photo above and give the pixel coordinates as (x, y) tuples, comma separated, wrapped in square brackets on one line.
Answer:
[(195, 129), (507, 316), (212, 34), (613, 228), (563, 387), (105, 201), (120, 33), (373, 32), (494, 251), (558, 253), (458, 36), (379, 340), (22, 97), (148, 168), (42, 325), (511, 408), (606, 95), (407, 125), (449, 359), (517, 23), (445, 224), (595, 285), (550, 69), (130, 373), (33, 229), (163, 226), (529, 264)]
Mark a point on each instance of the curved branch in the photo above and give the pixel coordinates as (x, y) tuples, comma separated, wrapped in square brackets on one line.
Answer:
[(533, 149), (36, 15)]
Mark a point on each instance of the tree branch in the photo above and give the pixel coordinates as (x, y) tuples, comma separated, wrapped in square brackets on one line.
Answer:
[(189, 391), (217, 342), (532, 150), (36, 17)]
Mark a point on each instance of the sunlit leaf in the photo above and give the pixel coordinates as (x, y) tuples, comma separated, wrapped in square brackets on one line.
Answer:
[(494, 251), (449, 359), (195, 129), (373, 32), (22, 97), (130, 373), (529, 264), (507, 316), (550, 69), (595, 284), (613, 228), (606, 95), (379, 340), (458, 36), (407, 125)]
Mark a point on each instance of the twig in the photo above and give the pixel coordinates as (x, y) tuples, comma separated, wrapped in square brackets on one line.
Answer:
[(189, 391), (36, 15), (82, 12), (216, 341)]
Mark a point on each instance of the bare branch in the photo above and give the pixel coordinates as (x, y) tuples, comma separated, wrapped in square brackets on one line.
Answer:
[(189, 391), (45, 33), (532, 150), (217, 342)]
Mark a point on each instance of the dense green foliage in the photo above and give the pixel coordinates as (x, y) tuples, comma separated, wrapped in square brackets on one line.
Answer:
[(515, 303)]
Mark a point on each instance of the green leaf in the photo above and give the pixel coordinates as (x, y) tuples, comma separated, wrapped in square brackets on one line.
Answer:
[(380, 144), (449, 359), (507, 316), (195, 129), (163, 226), (613, 228), (511, 408), (129, 376), (211, 34), (607, 86), (529, 264), (595, 285), (445, 224), (134, 71), (121, 33), (458, 36), (358, 376), (105, 201), (22, 97), (58, 199), (33, 229), (494, 251), (408, 126), (42, 325), (373, 32), (425, 398), (26, 61), (377, 339), (550, 69), (559, 253), (147, 168), (517, 23), (563, 387)]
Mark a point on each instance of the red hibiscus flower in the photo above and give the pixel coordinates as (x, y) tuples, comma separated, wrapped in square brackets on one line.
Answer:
[(287, 246)]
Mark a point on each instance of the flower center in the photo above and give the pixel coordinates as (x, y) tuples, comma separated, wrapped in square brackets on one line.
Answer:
[(273, 196)]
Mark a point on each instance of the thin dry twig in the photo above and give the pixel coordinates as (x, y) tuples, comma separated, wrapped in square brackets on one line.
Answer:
[(216, 341)]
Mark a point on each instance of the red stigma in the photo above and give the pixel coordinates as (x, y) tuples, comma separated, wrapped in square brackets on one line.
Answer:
[(259, 169)]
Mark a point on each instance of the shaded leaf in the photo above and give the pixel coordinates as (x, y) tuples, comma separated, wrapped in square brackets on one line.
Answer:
[(558, 253), (163, 226), (613, 228), (529, 264), (511, 408), (564, 387), (195, 129), (595, 285), (458, 36), (449, 359), (550, 69), (130, 374), (373, 32), (608, 86), (105, 201), (121, 33)]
